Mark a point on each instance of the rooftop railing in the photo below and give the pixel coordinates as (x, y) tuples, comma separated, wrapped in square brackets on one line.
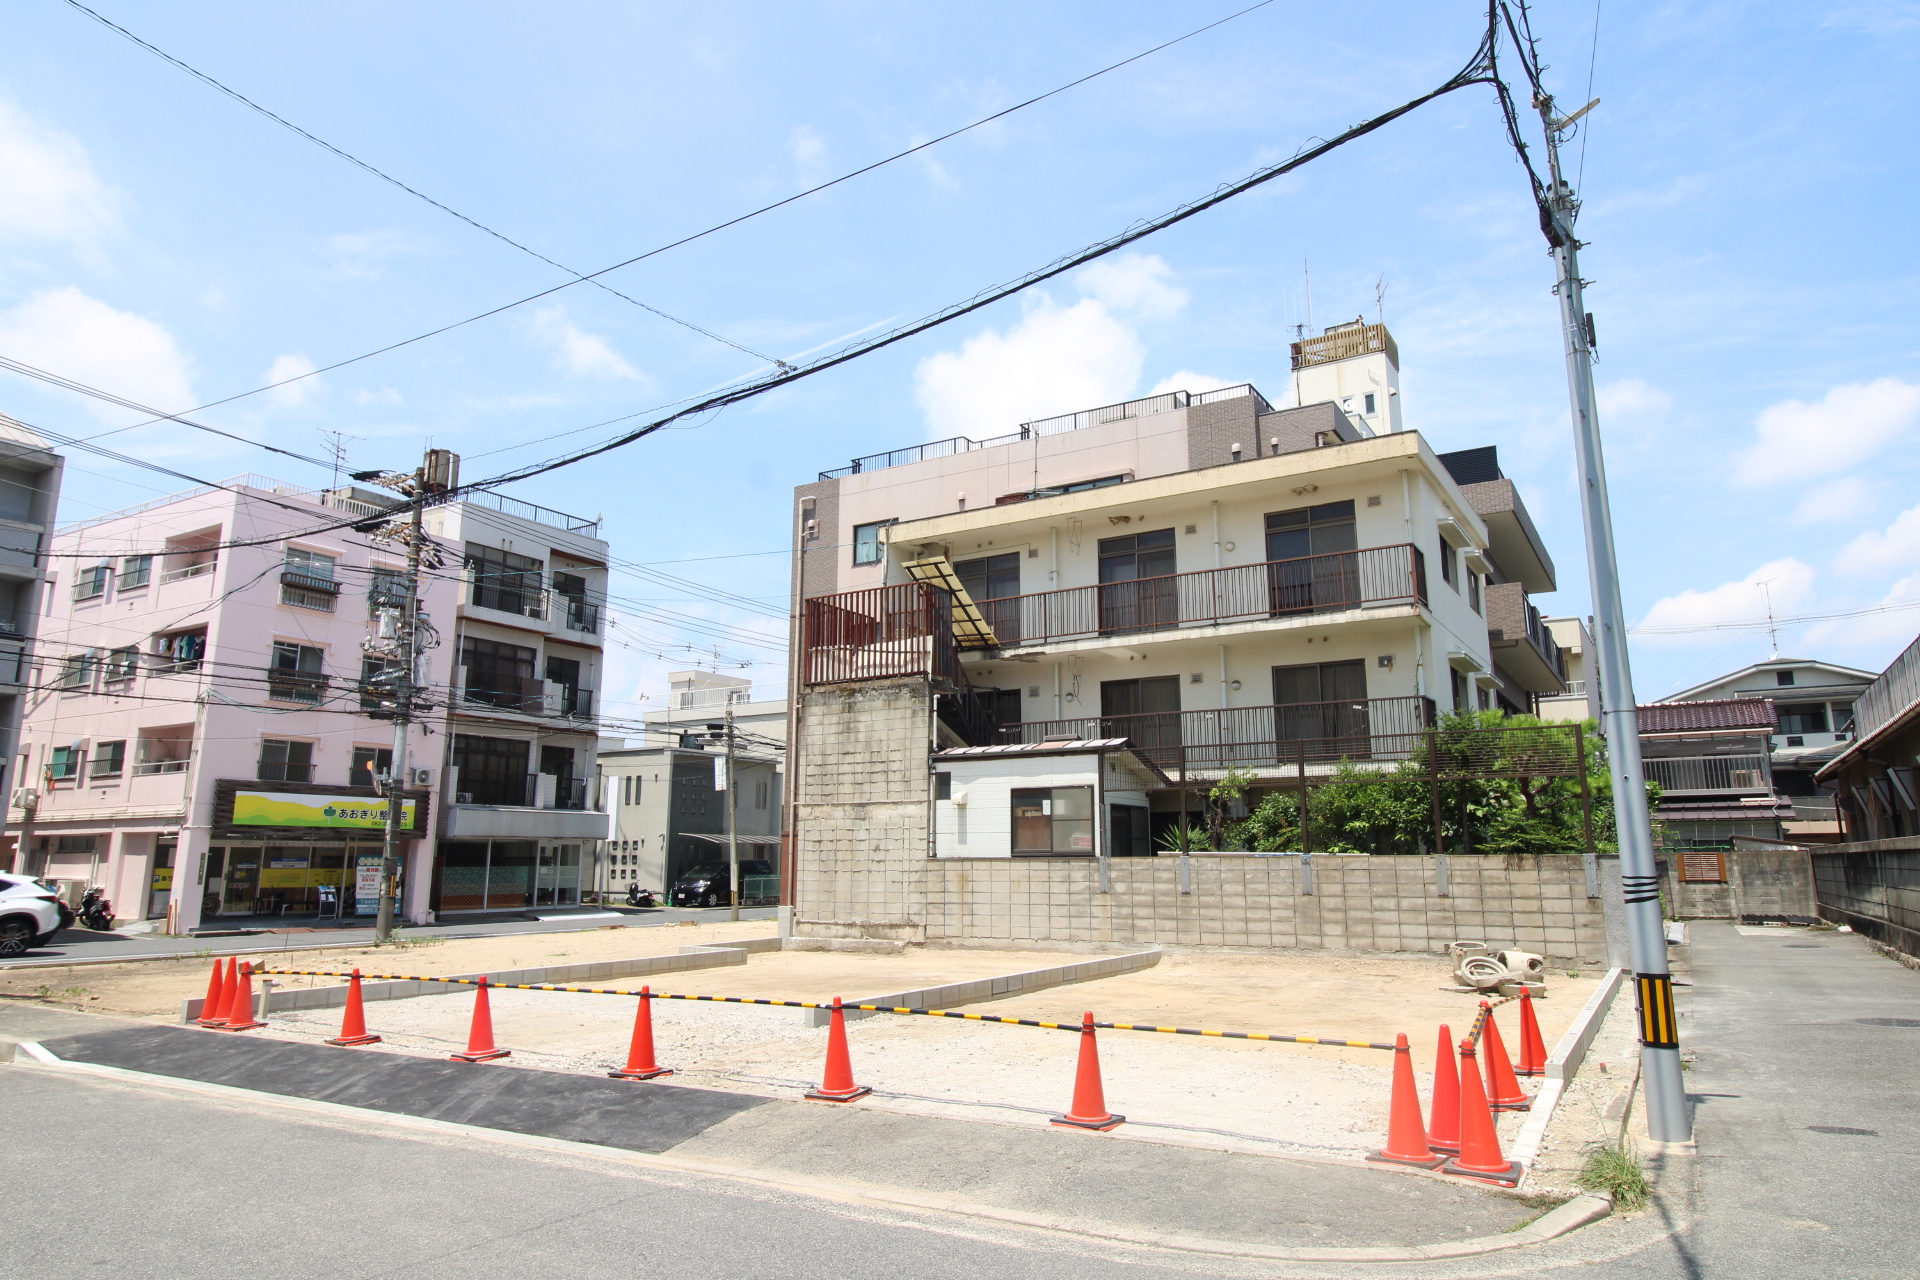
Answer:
[(1897, 689), (531, 511), (1163, 403), (879, 633)]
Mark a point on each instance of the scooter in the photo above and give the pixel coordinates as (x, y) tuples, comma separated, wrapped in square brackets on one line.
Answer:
[(95, 911), (638, 897)]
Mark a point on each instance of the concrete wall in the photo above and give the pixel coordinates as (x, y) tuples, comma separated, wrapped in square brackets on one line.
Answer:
[(1760, 882), (1873, 886)]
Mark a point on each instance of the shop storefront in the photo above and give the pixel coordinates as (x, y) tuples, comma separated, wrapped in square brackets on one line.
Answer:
[(506, 875), (296, 849)]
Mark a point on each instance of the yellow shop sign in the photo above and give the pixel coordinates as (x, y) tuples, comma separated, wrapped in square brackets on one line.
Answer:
[(282, 809)]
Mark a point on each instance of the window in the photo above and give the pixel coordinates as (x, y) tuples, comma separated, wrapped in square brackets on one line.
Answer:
[(1324, 703), (1459, 682), (91, 582), (377, 694), (866, 542), (386, 589), (297, 673), (994, 579), (76, 672), (1803, 717), (368, 764), (505, 581), (180, 650), (122, 664), (1842, 717), (492, 770), (109, 759), (761, 792), (135, 571), (285, 761), (164, 749), (1783, 677), (307, 582), (565, 672), (572, 590), (1473, 591), (1079, 486), (1311, 531), (1450, 564), (64, 762), (942, 786), (1369, 402), (1053, 820), (501, 675)]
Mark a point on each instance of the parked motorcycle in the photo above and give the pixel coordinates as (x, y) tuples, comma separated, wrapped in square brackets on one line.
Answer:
[(638, 897), (95, 911)]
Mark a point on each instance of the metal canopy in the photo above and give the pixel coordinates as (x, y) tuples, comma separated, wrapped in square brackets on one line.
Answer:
[(970, 629)]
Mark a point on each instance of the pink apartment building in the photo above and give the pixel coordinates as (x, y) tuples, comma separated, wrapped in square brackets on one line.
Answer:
[(187, 696)]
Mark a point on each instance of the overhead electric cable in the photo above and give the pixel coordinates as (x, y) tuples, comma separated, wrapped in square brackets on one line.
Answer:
[(592, 276)]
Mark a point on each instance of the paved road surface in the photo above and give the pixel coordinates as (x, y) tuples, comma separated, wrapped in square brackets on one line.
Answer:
[(143, 1181)]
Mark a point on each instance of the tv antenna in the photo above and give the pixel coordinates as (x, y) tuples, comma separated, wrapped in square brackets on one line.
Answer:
[(1773, 630)]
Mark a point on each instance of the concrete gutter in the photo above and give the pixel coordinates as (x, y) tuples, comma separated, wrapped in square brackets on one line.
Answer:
[(1563, 1066), (706, 956), (981, 989)]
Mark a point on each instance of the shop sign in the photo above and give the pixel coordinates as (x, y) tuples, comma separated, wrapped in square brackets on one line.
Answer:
[(366, 885), (162, 879), (284, 809)]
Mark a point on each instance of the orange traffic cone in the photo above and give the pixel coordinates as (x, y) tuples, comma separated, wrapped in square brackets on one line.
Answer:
[(1089, 1099), (1406, 1136), (839, 1085), (1479, 1141), (480, 1034), (213, 1009), (240, 1003), (1533, 1050), (640, 1063), (1503, 1087), (353, 1027), (1443, 1133)]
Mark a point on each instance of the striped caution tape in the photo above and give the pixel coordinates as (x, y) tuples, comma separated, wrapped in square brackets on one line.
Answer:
[(1271, 1036)]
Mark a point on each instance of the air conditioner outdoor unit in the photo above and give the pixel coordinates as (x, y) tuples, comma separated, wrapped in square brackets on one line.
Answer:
[(25, 797), (421, 777), (1745, 778), (463, 797)]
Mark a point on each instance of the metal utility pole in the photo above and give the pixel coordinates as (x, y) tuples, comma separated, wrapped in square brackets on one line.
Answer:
[(1667, 1119), (733, 827)]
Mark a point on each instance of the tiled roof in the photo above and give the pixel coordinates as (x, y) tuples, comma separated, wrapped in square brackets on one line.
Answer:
[(1695, 717)]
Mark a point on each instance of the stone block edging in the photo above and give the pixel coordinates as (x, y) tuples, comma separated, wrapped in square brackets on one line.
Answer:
[(997, 988)]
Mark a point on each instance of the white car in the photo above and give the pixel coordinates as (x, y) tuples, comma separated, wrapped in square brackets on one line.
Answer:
[(30, 914)]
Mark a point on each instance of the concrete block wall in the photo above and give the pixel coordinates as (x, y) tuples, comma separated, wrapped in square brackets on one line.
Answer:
[(864, 796)]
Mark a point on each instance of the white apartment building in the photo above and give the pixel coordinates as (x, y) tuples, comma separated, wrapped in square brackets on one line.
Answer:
[(1216, 582), (522, 823), (29, 495)]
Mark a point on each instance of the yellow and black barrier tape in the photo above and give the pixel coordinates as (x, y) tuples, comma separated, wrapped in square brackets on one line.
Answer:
[(1270, 1036)]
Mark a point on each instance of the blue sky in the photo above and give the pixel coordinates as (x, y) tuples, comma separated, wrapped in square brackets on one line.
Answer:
[(1746, 179)]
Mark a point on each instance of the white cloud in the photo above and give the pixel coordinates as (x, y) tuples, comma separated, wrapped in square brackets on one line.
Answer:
[(1188, 380), (1895, 548), (384, 396), (808, 150), (1633, 400), (1056, 359), (1838, 501), (363, 255), (1850, 425), (66, 332), (1133, 284), (294, 394), (52, 191), (1672, 619), (575, 351)]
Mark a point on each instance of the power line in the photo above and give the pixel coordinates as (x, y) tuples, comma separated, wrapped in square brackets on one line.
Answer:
[(1762, 624), (592, 276)]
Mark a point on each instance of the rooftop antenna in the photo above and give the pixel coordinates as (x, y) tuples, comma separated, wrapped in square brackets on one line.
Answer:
[(1307, 275), (1773, 631), (1380, 300), (337, 450)]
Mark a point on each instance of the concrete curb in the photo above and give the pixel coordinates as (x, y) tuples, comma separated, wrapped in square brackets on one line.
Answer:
[(1563, 1066), (1010, 984), (1576, 1213), (702, 956)]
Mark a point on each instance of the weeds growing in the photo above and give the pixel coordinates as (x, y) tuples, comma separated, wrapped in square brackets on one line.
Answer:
[(1613, 1172)]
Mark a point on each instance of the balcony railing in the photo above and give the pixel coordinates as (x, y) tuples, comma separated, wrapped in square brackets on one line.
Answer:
[(307, 591), (189, 571), (1728, 774), (1269, 738), (902, 630), (1245, 593), (295, 686), (1815, 809), (522, 791), (148, 767), (581, 616)]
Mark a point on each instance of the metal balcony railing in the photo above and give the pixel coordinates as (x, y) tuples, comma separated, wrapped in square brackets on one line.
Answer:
[(902, 630), (1245, 593), (1727, 774), (581, 616), (1269, 737), (295, 686)]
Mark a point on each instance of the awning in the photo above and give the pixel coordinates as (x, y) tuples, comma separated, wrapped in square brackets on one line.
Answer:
[(970, 629), (765, 841)]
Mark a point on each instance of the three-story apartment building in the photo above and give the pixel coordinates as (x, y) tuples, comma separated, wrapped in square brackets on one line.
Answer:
[(29, 495), (1212, 582)]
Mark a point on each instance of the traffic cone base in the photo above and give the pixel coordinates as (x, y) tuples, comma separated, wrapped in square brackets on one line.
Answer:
[(654, 1074), (480, 1046), (353, 1024), (1089, 1110), (838, 1085), (1508, 1177), (1406, 1135), (1480, 1156), (1112, 1121), (486, 1056), (240, 1004)]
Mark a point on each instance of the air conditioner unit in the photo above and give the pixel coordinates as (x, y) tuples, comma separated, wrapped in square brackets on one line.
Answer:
[(420, 777), (463, 797), (25, 797), (1746, 779)]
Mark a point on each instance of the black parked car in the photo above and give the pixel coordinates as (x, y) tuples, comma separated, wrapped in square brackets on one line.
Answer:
[(706, 885)]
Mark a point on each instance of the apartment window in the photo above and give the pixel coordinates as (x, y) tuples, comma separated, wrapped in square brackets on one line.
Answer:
[(1459, 682), (565, 672), (122, 664), (1842, 717), (1473, 591), (1803, 717), (761, 791), (90, 582), (492, 770), (109, 759), (297, 673), (501, 675), (1049, 821), (282, 760), (943, 786), (135, 571), (572, 590), (866, 542), (1450, 564), (307, 582), (386, 589), (76, 672), (1783, 677), (180, 650), (368, 764), (377, 694), (505, 581), (1311, 531), (63, 763), (1369, 402)]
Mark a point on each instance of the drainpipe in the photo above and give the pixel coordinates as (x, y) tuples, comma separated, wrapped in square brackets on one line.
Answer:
[(1058, 708), (1419, 658), (1216, 532), (1053, 573), (1223, 677)]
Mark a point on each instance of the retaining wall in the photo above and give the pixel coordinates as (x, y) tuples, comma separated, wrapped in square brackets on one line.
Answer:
[(1874, 887)]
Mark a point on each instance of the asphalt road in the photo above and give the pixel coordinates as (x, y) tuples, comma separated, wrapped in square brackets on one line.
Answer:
[(72, 945), (147, 1181)]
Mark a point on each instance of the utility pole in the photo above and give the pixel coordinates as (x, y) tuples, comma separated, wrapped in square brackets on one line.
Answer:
[(733, 826), (437, 473), (1667, 1119)]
